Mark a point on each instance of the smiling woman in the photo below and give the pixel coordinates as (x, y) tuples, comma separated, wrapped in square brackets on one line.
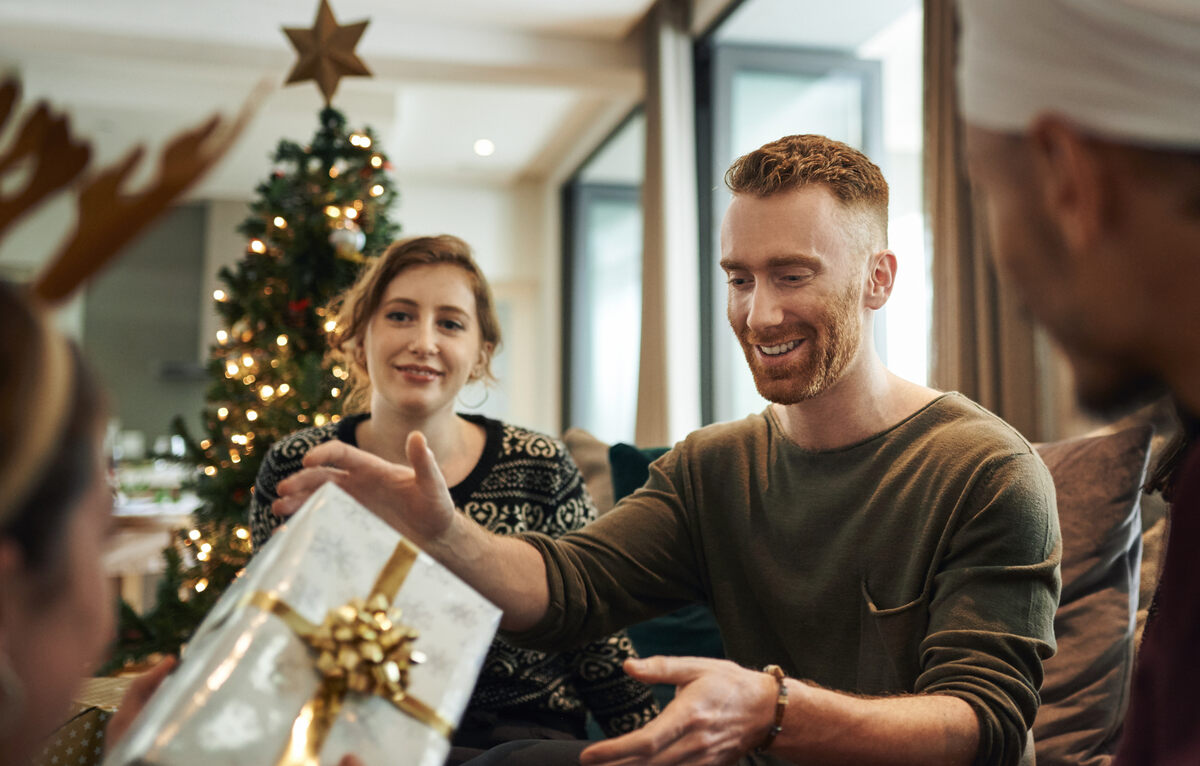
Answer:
[(418, 325)]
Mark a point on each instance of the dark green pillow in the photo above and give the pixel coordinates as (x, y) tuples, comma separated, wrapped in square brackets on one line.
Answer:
[(688, 632), (631, 467)]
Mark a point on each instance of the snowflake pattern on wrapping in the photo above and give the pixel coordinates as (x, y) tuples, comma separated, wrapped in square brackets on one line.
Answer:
[(529, 483)]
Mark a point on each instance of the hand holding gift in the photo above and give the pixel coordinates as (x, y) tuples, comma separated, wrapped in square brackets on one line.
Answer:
[(378, 484)]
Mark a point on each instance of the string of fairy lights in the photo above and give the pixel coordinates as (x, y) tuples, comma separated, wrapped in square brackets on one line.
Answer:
[(251, 366)]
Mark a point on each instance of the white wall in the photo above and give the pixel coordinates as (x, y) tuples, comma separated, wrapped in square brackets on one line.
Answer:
[(501, 223)]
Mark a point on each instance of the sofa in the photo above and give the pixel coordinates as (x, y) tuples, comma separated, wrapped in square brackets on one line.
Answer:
[(1107, 582)]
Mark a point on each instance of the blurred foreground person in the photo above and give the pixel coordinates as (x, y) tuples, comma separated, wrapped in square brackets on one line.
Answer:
[(1083, 141)]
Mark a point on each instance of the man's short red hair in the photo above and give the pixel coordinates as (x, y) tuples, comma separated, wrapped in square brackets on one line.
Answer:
[(794, 162)]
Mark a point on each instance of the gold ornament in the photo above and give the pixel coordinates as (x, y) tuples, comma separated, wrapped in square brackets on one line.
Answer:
[(326, 52), (348, 240)]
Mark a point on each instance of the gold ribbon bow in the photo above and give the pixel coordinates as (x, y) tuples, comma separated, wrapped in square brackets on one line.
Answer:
[(361, 647)]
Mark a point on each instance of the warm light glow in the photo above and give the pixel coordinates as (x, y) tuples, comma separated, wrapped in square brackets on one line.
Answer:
[(238, 439), (333, 211), (205, 444), (242, 533), (205, 547), (350, 212), (319, 419), (194, 534), (376, 190), (201, 584), (210, 471), (219, 295), (302, 418), (235, 457), (484, 147), (336, 418), (251, 415), (248, 380), (279, 222), (283, 389), (335, 392), (338, 372), (247, 360), (202, 556), (360, 140), (281, 341), (266, 392), (333, 172), (222, 336), (330, 326), (377, 161), (257, 246), (223, 413), (231, 368)]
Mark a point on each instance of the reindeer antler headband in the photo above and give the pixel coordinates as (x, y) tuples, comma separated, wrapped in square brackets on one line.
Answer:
[(108, 219)]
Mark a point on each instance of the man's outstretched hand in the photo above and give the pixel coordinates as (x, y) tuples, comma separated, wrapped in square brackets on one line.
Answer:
[(413, 500), (720, 712)]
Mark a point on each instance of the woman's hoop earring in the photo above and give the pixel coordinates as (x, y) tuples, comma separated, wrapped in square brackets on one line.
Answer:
[(12, 695), (474, 406)]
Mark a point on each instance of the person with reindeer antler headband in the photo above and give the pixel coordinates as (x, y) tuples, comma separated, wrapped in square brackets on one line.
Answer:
[(56, 615)]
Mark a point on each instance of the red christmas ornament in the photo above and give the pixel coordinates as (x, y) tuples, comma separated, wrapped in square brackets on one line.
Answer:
[(299, 306)]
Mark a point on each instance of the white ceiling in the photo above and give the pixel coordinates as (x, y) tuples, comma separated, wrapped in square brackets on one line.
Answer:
[(531, 75)]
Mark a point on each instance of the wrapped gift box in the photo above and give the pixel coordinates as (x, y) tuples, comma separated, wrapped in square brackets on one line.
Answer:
[(80, 741), (252, 689)]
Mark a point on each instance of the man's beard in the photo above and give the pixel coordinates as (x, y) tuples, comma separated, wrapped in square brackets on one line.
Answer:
[(830, 343)]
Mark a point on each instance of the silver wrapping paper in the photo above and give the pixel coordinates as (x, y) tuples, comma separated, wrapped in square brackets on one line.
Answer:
[(246, 674)]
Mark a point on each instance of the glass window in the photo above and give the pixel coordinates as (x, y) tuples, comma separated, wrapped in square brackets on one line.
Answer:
[(603, 296)]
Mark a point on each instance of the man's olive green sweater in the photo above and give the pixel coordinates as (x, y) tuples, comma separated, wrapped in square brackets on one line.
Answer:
[(923, 559)]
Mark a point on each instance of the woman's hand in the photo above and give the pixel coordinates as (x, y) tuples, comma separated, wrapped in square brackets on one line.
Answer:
[(135, 698), (413, 500)]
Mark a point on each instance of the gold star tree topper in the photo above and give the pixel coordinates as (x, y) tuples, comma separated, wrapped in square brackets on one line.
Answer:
[(326, 52)]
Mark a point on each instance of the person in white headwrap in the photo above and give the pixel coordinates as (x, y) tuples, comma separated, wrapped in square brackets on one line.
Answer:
[(1083, 138)]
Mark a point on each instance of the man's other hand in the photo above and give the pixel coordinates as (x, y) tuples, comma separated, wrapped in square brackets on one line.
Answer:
[(720, 712)]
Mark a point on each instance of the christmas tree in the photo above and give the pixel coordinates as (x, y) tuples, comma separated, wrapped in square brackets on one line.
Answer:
[(315, 217)]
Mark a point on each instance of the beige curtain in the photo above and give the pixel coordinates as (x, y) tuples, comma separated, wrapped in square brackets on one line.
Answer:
[(984, 345), (669, 373)]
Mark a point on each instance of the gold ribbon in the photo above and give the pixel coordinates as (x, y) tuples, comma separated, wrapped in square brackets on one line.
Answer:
[(361, 647)]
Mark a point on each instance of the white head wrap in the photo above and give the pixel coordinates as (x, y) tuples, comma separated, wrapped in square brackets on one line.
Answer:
[(1122, 69)]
